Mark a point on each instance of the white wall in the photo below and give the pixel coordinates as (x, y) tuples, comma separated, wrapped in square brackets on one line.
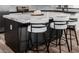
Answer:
[(7, 8), (32, 7), (42, 7)]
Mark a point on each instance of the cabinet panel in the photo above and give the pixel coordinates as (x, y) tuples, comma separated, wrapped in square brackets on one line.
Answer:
[(15, 36), (11, 35)]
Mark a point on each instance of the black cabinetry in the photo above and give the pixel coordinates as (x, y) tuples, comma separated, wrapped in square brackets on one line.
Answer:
[(15, 35)]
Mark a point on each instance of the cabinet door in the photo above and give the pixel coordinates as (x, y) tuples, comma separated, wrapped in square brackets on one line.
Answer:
[(11, 35), (15, 36)]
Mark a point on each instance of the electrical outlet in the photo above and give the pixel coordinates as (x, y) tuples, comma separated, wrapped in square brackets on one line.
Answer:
[(11, 27)]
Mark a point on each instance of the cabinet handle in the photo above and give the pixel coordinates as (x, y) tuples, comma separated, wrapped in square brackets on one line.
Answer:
[(11, 27)]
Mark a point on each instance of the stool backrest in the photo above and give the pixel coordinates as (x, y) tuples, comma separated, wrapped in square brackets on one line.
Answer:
[(38, 25), (60, 22), (72, 22)]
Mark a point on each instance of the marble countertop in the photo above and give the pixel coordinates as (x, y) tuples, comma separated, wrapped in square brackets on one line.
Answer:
[(27, 17)]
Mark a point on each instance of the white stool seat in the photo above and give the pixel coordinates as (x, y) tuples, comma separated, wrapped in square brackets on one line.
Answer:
[(72, 23), (38, 25), (59, 22), (58, 26), (37, 30)]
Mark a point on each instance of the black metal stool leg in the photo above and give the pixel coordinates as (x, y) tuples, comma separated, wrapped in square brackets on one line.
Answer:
[(76, 36), (37, 42), (27, 43), (65, 32), (70, 40), (30, 40), (56, 42), (59, 42), (46, 43), (56, 37)]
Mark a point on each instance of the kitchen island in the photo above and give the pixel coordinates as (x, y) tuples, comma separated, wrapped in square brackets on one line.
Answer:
[(16, 31), (16, 28)]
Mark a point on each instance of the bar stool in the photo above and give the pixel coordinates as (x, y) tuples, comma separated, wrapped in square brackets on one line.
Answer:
[(36, 28), (71, 27), (60, 24)]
